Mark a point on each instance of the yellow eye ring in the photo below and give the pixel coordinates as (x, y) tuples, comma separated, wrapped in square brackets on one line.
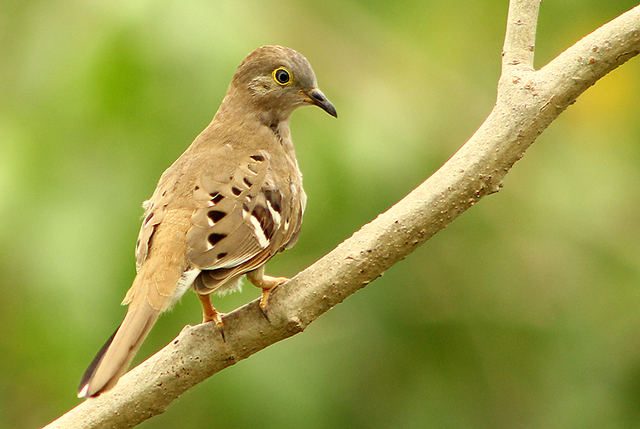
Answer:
[(282, 76)]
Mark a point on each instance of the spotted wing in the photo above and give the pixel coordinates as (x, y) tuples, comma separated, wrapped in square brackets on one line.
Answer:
[(242, 220)]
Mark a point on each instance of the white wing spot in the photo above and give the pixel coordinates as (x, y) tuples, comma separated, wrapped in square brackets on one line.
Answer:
[(263, 241), (274, 214)]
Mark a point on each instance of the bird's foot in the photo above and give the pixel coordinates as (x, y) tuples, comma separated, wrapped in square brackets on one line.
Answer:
[(210, 314), (268, 285)]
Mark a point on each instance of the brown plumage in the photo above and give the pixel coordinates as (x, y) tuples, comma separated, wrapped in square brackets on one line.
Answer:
[(223, 209)]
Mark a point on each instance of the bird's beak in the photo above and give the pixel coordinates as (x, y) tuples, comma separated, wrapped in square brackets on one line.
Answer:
[(315, 96)]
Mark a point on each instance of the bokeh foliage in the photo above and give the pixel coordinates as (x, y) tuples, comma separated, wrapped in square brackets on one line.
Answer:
[(523, 313)]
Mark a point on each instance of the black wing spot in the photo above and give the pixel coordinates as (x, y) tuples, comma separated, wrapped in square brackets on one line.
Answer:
[(247, 182), (215, 238), (148, 218), (222, 255), (216, 215), (275, 199), (216, 197), (236, 191), (258, 158), (266, 222)]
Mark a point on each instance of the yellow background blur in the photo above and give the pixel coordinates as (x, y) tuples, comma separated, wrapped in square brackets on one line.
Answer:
[(523, 313)]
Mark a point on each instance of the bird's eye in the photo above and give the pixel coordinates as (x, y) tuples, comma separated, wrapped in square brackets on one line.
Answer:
[(281, 75)]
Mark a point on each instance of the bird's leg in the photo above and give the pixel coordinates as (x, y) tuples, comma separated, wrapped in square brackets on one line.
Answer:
[(210, 314), (267, 284)]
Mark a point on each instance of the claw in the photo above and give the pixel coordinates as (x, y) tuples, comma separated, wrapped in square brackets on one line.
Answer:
[(210, 314), (267, 284), (263, 303), (218, 320), (220, 327)]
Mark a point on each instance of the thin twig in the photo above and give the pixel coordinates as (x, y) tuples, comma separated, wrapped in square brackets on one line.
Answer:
[(520, 38)]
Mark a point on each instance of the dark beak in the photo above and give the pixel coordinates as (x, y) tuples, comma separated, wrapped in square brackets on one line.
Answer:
[(315, 96)]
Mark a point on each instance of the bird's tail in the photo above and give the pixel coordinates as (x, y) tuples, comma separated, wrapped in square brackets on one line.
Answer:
[(114, 357)]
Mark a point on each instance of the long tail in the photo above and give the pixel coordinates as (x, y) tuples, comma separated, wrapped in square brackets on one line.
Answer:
[(114, 357)]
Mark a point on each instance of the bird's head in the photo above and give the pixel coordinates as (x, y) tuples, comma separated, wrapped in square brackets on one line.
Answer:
[(278, 80)]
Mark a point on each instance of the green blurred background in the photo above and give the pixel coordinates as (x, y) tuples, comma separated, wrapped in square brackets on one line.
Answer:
[(523, 313)]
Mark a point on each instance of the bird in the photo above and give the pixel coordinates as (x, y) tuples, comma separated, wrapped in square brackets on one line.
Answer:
[(226, 206)]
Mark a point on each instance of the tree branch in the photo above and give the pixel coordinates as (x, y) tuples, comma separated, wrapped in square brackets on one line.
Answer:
[(528, 101), (520, 38)]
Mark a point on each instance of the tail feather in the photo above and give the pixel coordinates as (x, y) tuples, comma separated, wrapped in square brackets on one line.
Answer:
[(94, 364), (114, 357)]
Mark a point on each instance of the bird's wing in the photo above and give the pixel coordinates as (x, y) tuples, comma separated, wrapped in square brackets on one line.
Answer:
[(240, 220)]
